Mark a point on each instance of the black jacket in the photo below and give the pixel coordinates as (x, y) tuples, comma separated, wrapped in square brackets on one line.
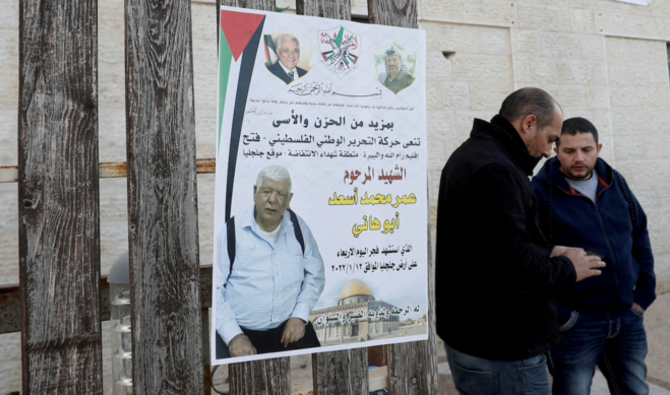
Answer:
[(615, 226), (496, 285)]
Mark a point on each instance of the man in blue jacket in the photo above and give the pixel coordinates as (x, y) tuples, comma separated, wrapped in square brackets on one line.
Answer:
[(584, 203)]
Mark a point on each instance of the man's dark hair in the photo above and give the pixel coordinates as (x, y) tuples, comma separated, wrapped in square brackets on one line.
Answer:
[(529, 101), (576, 125)]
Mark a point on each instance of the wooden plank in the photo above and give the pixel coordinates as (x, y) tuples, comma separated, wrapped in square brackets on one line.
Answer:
[(272, 376), (412, 366), (10, 301), (108, 170), (401, 13), (163, 215), (340, 372), (59, 221), (336, 9)]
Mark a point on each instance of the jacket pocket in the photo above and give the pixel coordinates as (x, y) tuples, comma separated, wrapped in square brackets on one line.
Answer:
[(637, 312), (574, 315)]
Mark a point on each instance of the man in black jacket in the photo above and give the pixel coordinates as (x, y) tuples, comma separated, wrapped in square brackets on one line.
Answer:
[(497, 278)]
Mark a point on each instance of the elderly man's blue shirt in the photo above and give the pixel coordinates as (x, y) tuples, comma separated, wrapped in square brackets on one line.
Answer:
[(269, 283)]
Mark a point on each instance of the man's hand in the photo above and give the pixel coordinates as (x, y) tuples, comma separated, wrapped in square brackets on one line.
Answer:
[(558, 250), (585, 266), (638, 307), (293, 331), (240, 346)]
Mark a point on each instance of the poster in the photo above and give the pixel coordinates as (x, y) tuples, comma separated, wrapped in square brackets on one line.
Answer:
[(339, 107)]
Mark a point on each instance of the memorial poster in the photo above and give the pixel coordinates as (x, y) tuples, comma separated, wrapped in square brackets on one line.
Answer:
[(341, 249)]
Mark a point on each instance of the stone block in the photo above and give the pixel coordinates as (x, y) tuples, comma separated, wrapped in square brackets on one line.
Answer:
[(9, 86), (624, 96), (205, 60), (525, 41), (569, 96), (438, 68), (653, 97), (9, 17), (9, 250), (440, 127), (481, 67), (582, 20), (593, 46), (487, 96), (494, 41), (434, 96), (10, 375), (635, 51), (569, 71), (111, 35), (544, 17), (560, 45), (625, 74), (9, 49), (112, 89), (597, 97), (456, 95), (461, 38), (204, 21), (434, 35), (205, 90), (112, 135), (626, 24), (497, 13), (629, 147), (532, 69)]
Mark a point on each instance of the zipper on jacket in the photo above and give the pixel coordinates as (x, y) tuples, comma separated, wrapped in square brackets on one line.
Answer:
[(609, 245)]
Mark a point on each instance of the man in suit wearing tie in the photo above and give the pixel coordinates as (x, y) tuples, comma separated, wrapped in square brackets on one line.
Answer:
[(288, 51)]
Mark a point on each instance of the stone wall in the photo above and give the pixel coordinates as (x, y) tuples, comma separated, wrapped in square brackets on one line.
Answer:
[(603, 60)]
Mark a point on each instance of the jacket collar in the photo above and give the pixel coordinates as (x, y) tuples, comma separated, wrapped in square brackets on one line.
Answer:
[(551, 173), (505, 134)]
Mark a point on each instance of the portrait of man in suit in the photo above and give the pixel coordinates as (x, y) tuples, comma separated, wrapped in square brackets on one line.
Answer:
[(288, 51)]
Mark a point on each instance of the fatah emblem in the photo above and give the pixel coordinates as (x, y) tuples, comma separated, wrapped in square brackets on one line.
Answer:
[(339, 50)]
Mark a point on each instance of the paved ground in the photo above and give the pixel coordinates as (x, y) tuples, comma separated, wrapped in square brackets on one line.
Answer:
[(657, 322)]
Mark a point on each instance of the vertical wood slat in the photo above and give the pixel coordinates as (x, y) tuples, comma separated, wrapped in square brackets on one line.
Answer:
[(340, 372), (271, 376), (412, 366), (162, 201), (59, 221)]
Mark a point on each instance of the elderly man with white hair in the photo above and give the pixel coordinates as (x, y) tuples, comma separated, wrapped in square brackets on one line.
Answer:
[(268, 275)]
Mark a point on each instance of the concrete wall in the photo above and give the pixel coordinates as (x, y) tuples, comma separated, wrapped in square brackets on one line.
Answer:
[(603, 60)]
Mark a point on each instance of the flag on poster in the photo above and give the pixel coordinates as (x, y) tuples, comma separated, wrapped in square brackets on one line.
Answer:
[(321, 187)]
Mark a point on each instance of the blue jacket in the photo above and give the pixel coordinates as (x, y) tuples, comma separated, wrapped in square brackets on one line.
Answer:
[(615, 226)]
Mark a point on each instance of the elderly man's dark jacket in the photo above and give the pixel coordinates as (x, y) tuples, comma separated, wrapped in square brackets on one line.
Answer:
[(496, 284)]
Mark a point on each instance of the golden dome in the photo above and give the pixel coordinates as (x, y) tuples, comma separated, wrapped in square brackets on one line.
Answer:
[(355, 288)]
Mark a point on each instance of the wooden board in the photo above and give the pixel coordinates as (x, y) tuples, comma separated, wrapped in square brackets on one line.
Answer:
[(59, 221), (412, 366), (162, 201)]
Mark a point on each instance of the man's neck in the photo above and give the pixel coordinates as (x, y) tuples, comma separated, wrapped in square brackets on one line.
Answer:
[(566, 175)]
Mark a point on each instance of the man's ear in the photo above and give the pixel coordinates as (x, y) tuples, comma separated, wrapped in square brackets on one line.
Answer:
[(529, 123), (600, 146), (255, 189), (556, 150)]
